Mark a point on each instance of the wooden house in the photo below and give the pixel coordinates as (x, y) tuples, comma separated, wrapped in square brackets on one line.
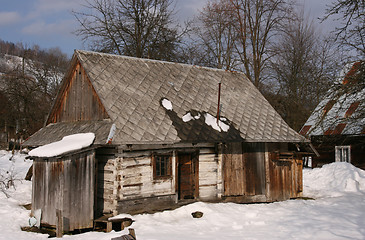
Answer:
[(165, 134), (337, 125)]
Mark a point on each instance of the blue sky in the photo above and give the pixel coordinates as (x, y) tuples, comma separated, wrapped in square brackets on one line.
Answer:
[(50, 23)]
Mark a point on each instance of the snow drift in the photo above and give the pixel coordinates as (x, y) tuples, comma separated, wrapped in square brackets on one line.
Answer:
[(333, 180)]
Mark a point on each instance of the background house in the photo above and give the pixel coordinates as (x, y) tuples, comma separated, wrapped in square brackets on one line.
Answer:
[(337, 125), (162, 137)]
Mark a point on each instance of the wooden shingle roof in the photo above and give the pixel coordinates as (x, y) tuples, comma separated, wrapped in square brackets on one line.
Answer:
[(131, 90)]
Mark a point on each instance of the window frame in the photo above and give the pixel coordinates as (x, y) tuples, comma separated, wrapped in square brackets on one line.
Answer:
[(168, 166), (339, 153)]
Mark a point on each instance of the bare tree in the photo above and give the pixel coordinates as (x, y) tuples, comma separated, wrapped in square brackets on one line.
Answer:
[(304, 66), (352, 31), (140, 28), (257, 22), (48, 68), (216, 35)]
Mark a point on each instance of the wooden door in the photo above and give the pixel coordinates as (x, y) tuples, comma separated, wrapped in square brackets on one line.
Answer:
[(187, 175)]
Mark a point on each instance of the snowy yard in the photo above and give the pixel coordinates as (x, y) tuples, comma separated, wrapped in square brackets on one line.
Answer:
[(338, 211)]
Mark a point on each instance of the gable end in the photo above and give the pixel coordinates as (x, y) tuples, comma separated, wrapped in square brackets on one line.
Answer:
[(77, 99)]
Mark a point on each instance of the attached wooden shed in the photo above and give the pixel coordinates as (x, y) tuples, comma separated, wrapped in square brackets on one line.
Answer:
[(159, 142)]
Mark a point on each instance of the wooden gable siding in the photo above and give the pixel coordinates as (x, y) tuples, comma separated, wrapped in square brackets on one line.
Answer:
[(77, 100), (66, 184)]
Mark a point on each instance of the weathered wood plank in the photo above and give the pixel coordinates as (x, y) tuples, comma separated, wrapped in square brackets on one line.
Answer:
[(208, 192), (78, 100), (234, 181), (60, 183)]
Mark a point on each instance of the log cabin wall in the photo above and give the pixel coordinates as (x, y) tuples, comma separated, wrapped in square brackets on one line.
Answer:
[(106, 181), (210, 176), (78, 100), (67, 184), (326, 145), (238, 172), (138, 190)]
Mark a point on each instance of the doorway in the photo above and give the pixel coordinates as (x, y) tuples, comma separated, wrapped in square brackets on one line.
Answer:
[(188, 175)]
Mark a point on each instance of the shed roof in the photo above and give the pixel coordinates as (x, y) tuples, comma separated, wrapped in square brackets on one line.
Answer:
[(131, 90), (56, 131)]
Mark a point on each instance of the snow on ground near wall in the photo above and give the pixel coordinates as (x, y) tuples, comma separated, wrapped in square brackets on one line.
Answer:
[(67, 144), (337, 213)]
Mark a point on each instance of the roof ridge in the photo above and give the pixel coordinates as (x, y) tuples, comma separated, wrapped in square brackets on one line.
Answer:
[(156, 61)]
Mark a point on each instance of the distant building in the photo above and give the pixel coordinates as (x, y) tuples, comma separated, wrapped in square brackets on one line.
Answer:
[(337, 125)]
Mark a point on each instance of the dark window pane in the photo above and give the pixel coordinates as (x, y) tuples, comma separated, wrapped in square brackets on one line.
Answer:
[(162, 164)]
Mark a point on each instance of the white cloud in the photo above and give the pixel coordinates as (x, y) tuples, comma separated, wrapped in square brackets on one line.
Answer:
[(41, 28), (49, 7), (8, 18)]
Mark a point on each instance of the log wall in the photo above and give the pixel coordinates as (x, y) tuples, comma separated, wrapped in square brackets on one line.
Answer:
[(136, 184), (106, 185), (208, 174), (138, 191), (238, 172)]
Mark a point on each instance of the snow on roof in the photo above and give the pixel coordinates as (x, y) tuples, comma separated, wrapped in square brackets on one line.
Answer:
[(188, 117), (67, 144), (166, 104), (338, 112), (217, 125)]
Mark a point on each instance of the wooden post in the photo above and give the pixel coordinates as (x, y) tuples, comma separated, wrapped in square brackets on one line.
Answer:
[(109, 226), (219, 101), (59, 226)]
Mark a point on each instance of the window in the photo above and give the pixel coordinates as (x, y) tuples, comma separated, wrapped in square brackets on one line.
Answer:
[(343, 154), (307, 161), (161, 165)]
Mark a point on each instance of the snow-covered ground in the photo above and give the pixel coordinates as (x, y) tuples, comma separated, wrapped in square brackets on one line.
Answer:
[(338, 211)]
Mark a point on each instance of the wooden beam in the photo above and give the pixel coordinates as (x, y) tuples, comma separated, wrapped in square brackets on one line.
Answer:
[(59, 226)]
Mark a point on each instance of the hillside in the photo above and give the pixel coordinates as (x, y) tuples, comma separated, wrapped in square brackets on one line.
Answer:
[(29, 80)]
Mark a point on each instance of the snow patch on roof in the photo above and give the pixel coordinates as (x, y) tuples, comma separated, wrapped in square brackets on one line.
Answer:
[(188, 117), (166, 104), (217, 125), (67, 144)]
